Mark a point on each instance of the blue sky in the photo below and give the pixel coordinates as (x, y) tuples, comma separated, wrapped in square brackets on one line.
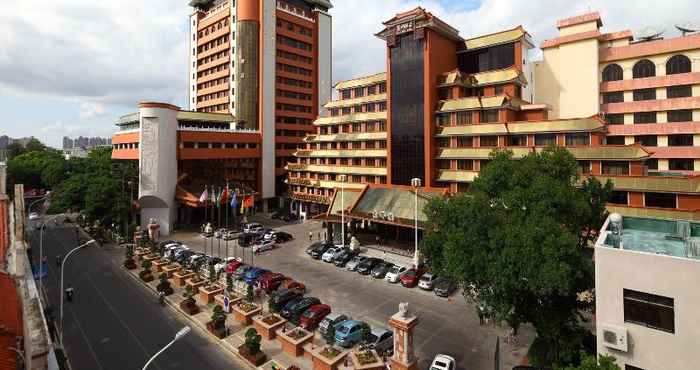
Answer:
[(71, 67)]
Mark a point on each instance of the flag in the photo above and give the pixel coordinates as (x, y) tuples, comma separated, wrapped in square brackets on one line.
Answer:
[(224, 196), (218, 199), (213, 195), (243, 204), (234, 201), (204, 196)]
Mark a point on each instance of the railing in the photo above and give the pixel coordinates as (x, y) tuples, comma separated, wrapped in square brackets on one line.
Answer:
[(216, 129), (283, 6)]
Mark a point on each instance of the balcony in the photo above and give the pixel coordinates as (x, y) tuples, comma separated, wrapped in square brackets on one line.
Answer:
[(457, 176), (350, 170), (356, 101), (351, 118), (360, 136), (348, 153)]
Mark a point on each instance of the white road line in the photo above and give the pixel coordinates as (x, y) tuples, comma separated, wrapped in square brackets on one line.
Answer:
[(87, 341)]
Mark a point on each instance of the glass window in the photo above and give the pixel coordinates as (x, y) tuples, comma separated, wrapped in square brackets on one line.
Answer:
[(488, 141), (486, 59), (615, 168), (345, 94), (382, 87), (678, 64), (646, 140), (444, 164), (618, 197), (584, 167), (680, 140), (490, 115), (516, 140), (644, 94), (683, 91), (545, 139), (443, 142), (650, 310), (613, 97), (644, 68), (681, 164), (683, 115), (645, 117), (660, 200), (612, 72), (371, 90), (359, 92), (615, 119), (652, 164), (498, 90), (443, 119), (465, 164), (578, 139), (465, 142), (464, 118)]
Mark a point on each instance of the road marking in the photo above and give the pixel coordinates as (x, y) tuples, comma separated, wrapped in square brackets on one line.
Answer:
[(105, 340), (87, 341)]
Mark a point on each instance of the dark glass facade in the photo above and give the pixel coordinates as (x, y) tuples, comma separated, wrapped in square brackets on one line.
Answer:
[(487, 59), (407, 93)]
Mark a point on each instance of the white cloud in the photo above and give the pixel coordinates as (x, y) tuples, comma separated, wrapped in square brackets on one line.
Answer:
[(90, 110)]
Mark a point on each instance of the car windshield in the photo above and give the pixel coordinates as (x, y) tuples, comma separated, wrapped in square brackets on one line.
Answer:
[(395, 269), (343, 329), (309, 314), (426, 278), (410, 273)]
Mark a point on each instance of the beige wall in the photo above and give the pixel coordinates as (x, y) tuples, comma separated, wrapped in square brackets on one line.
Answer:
[(578, 28), (671, 277)]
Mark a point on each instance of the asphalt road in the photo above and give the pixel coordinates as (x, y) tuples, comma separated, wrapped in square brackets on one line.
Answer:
[(114, 322)]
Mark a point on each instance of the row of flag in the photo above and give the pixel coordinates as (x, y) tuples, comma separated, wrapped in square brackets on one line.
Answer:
[(225, 197)]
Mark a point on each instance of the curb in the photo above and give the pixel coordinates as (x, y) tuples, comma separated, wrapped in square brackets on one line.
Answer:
[(196, 324)]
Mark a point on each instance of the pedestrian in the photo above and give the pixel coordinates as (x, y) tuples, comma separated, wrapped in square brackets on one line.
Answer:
[(311, 235), (480, 312), (59, 259), (319, 236), (69, 293)]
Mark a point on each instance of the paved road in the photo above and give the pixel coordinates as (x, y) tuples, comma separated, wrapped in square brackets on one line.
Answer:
[(114, 322)]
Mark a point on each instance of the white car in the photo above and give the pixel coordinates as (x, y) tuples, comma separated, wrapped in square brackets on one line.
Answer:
[(171, 249), (263, 246), (427, 281), (252, 227), (394, 273), (33, 216), (330, 254), (222, 265), (443, 362)]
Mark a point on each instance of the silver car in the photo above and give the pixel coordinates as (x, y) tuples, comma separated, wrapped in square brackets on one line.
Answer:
[(352, 265)]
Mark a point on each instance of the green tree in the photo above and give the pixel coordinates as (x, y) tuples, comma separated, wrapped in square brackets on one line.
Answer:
[(517, 244), (15, 149), (590, 363)]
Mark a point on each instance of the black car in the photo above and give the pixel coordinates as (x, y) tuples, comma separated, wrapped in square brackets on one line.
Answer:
[(282, 297), (313, 246), (184, 257), (318, 252), (444, 287), (345, 257), (366, 266), (294, 309), (379, 271), (281, 236)]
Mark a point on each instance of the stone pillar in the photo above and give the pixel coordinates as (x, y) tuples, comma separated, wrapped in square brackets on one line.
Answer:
[(403, 323)]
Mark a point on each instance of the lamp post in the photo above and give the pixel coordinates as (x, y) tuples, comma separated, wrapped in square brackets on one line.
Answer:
[(63, 265), (342, 179), (41, 250), (416, 183), (181, 333)]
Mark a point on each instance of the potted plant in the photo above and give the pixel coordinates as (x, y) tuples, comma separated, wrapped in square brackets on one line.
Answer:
[(245, 311), (164, 285), (217, 325), (327, 358), (293, 341), (146, 274), (249, 293), (268, 325), (250, 349), (366, 359), (189, 305), (129, 262), (229, 283)]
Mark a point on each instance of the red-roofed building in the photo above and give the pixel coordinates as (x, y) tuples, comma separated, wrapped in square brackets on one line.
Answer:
[(10, 322)]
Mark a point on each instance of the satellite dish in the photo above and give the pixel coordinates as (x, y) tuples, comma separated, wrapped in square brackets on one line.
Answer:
[(688, 27), (649, 33)]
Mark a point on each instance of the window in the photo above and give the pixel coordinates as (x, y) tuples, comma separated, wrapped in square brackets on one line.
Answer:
[(618, 197), (650, 310), (652, 164), (483, 163), (346, 110), (371, 90), (612, 72), (443, 119), (616, 168), (683, 91), (345, 94), (516, 140), (644, 94), (498, 90), (644, 68), (678, 64), (490, 115), (613, 97), (465, 164), (382, 87), (684, 115), (465, 142), (646, 140), (578, 139), (545, 139), (359, 92), (444, 164), (681, 164), (464, 118), (486, 59), (680, 140), (488, 141), (443, 142), (381, 106), (660, 200), (584, 167), (645, 117), (445, 93), (615, 119)]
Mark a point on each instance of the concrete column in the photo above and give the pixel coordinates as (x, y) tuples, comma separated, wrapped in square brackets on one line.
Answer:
[(662, 140)]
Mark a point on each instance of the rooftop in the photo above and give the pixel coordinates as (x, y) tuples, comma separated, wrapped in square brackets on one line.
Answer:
[(676, 238)]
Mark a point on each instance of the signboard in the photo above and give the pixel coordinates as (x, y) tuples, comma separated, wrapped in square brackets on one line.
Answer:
[(227, 304)]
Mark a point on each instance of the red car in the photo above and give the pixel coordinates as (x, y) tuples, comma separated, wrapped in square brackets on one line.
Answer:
[(270, 281), (233, 266), (310, 319), (410, 278), (290, 283)]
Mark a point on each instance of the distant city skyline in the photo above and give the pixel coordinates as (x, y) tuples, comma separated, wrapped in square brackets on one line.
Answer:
[(85, 142)]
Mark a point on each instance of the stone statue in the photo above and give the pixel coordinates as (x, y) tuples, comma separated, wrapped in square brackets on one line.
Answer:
[(208, 229), (153, 229), (404, 311), (354, 243)]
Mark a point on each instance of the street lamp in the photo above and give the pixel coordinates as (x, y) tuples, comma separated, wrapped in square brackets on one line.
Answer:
[(181, 333), (342, 179), (416, 183), (29, 209), (63, 265), (41, 249)]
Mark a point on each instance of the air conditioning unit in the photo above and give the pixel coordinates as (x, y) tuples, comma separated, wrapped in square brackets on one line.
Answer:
[(615, 337)]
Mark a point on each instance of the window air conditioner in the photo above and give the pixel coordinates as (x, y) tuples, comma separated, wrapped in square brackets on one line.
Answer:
[(615, 337)]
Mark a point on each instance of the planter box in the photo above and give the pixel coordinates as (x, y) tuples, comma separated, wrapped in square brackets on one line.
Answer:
[(294, 347), (219, 299), (256, 359), (150, 257), (245, 318), (158, 265), (147, 278), (189, 307), (179, 278), (267, 331), (221, 332), (195, 285), (321, 362), (376, 365), (170, 270), (207, 296)]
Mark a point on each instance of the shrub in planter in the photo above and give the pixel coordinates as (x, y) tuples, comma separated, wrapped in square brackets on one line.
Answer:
[(146, 274), (229, 283), (250, 350), (249, 293), (164, 285), (330, 335), (129, 262), (189, 304), (217, 325)]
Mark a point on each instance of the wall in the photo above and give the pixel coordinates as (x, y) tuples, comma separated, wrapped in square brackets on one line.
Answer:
[(578, 73), (325, 59), (661, 275), (267, 91)]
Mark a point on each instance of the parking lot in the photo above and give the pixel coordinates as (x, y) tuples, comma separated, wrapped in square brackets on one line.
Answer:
[(448, 326)]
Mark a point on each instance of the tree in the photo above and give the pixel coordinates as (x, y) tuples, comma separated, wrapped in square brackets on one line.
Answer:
[(590, 363), (517, 244)]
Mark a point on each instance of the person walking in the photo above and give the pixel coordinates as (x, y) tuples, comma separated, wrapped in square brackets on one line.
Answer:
[(311, 235), (319, 236), (69, 293), (59, 259), (480, 312)]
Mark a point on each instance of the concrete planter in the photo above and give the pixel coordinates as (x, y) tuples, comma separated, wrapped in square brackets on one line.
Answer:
[(150, 257), (268, 330), (189, 306), (169, 270), (294, 345), (195, 284), (158, 265), (206, 296), (322, 362), (362, 364), (245, 317), (256, 360), (180, 277)]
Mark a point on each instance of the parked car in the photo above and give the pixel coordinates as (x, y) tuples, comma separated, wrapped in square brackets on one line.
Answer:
[(444, 287), (379, 271), (443, 362), (183, 256), (172, 249), (349, 333), (263, 246), (345, 257), (338, 251), (33, 216), (366, 266), (289, 283), (232, 266), (230, 235), (252, 226), (320, 251), (281, 236), (241, 271), (381, 340), (329, 254), (410, 278), (294, 309), (219, 234), (281, 297), (394, 273), (313, 246), (354, 262), (196, 259), (427, 281), (253, 274), (221, 266), (271, 281), (212, 261), (332, 319), (310, 319)]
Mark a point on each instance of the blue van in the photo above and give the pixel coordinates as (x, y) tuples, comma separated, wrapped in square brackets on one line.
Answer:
[(349, 333)]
